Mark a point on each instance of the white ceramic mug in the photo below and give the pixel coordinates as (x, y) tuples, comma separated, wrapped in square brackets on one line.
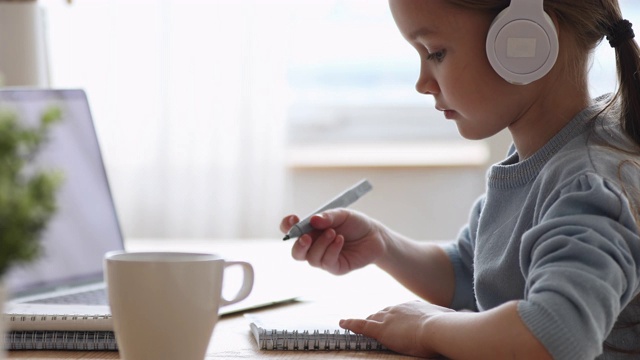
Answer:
[(165, 304)]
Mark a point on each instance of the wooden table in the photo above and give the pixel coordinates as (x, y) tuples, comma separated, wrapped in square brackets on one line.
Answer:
[(353, 295)]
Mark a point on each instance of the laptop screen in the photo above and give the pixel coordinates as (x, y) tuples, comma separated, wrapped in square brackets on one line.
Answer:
[(85, 226)]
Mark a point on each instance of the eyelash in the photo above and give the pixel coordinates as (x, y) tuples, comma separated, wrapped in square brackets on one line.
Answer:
[(437, 56)]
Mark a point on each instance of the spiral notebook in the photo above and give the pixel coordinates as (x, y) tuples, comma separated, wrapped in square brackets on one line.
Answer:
[(312, 334)]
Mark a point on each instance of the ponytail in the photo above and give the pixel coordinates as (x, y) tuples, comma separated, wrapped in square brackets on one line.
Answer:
[(620, 36)]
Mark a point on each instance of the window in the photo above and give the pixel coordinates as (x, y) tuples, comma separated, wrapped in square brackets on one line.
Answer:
[(352, 77)]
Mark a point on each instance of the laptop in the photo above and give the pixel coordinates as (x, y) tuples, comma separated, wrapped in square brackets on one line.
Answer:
[(84, 227), (64, 288)]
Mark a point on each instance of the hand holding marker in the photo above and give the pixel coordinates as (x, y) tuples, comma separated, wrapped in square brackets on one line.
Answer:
[(343, 200)]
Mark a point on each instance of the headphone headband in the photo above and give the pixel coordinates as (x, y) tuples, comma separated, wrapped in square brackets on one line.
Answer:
[(522, 42)]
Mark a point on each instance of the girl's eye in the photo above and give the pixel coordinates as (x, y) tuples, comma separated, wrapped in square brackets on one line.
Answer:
[(437, 56)]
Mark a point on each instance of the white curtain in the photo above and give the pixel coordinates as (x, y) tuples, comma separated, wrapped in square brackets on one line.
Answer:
[(189, 99)]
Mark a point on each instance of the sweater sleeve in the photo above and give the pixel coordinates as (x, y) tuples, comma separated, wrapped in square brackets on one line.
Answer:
[(461, 256), (581, 264)]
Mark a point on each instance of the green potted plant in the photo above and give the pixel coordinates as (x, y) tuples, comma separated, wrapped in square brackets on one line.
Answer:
[(27, 194)]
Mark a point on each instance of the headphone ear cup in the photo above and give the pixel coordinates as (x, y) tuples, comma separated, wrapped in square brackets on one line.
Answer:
[(522, 42)]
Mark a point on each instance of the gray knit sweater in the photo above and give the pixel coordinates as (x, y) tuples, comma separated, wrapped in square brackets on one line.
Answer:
[(557, 232)]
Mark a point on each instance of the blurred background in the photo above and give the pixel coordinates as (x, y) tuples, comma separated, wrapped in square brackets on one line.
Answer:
[(218, 117)]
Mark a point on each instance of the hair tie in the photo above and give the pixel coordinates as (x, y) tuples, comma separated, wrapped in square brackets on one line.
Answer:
[(620, 32)]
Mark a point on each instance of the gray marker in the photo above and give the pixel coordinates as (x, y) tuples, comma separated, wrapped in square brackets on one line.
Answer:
[(343, 200)]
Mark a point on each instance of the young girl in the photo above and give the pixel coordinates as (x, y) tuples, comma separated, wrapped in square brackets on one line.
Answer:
[(549, 263)]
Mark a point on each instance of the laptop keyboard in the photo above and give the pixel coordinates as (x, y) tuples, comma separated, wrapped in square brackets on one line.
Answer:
[(90, 297)]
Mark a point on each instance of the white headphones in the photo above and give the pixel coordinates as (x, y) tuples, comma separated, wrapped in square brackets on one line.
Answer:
[(522, 43)]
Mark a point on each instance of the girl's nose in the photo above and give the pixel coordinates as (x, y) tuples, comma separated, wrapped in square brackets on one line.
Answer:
[(426, 83)]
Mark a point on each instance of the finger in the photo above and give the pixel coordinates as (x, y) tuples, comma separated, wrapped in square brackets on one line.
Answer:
[(360, 326), (301, 247), (321, 221), (319, 247), (331, 256), (287, 222), (330, 218)]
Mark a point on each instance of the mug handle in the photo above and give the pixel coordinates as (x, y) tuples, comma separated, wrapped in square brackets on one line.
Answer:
[(247, 282)]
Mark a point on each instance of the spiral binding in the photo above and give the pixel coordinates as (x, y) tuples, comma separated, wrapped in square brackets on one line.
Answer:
[(60, 340), (39, 318), (316, 340)]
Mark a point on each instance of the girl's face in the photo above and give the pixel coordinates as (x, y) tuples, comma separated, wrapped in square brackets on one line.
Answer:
[(454, 67)]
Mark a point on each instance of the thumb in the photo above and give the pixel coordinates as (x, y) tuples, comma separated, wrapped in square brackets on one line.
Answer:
[(330, 218), (359, 326)]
